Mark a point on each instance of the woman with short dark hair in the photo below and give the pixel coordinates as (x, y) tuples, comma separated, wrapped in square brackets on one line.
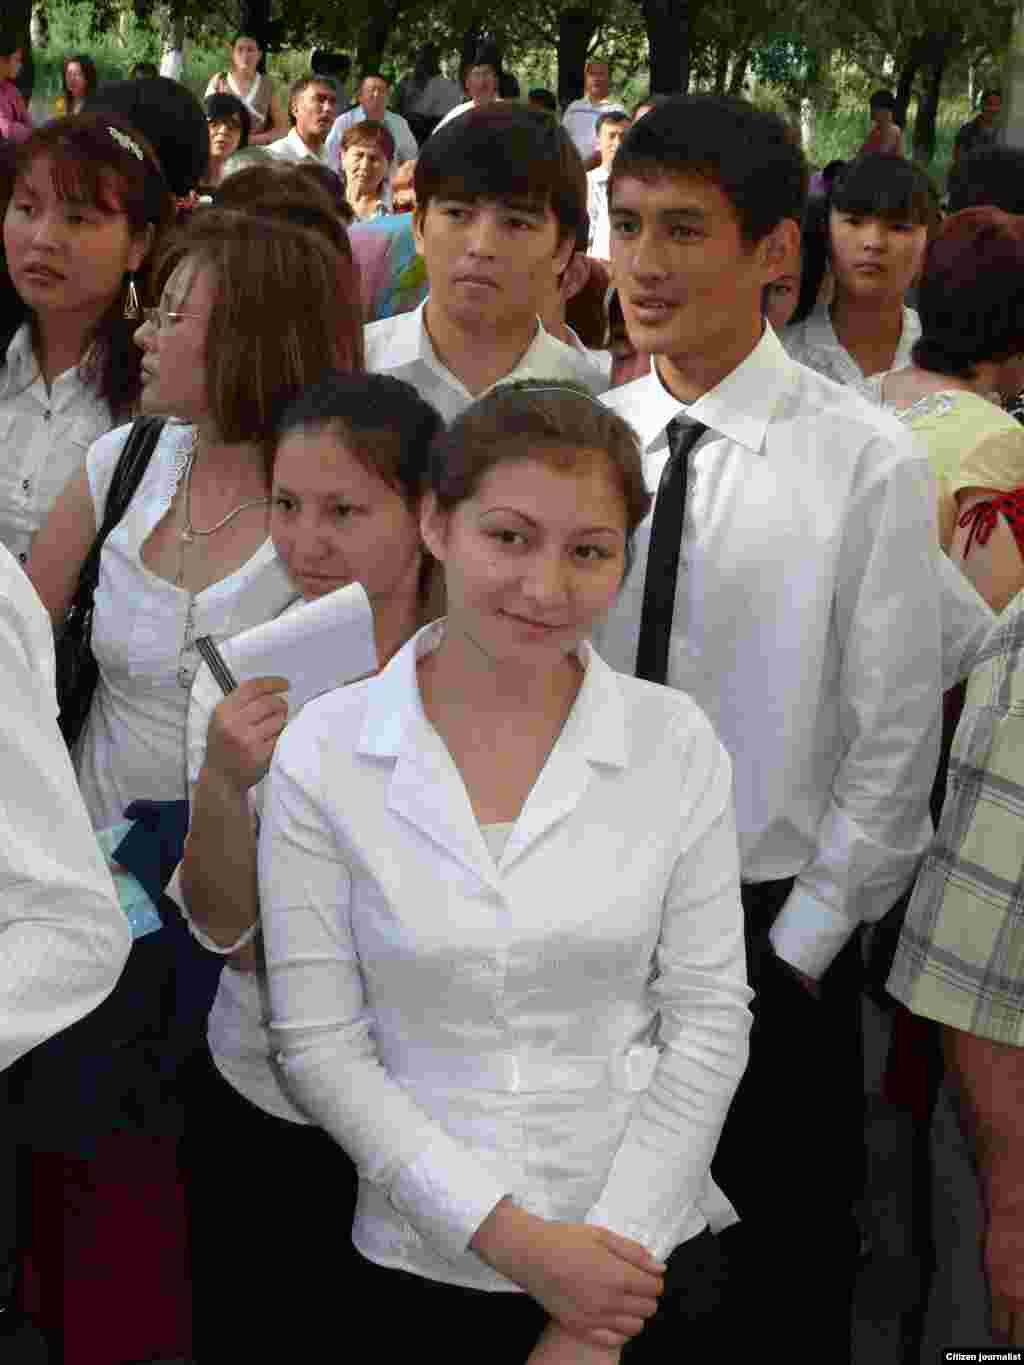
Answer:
[(230, 125)]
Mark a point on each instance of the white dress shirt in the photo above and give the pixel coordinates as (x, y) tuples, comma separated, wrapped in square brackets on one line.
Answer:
[(44, 438), (814, 343), (401, 346), (566, 1026), (809, 626), (580, 122), (63, 936), (406, 146), (292, 148), (597, 210)]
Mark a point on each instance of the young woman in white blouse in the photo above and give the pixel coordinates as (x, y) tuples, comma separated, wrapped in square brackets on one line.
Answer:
[(348, 469), (500, 903), (252, 312), (86, 209), (873, 232)]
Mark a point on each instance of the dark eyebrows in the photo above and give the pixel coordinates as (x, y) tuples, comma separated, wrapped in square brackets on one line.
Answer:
[(583, 531)]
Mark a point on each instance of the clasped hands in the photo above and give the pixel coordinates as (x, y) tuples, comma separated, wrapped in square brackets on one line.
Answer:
[(598, 1288)]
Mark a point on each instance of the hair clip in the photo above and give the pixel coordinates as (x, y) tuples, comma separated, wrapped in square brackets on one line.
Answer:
[(123, 140)]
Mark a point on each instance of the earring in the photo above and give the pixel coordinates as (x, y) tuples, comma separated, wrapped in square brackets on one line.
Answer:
[(132, 310)]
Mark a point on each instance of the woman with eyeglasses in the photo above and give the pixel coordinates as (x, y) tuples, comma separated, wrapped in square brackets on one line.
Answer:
[(230, 125), (251, 313), (84, 204)]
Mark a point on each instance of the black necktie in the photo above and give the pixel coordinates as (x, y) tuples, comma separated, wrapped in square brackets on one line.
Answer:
[(663, 555)]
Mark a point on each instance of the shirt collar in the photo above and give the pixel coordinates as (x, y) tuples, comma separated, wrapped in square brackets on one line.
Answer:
[(20, 361), (395, 717), (410, 341), (740, 407), (305, 151), (819, 333)]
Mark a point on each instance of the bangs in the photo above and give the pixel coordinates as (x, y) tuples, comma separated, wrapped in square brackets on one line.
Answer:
[(888, 188), (84, 182)]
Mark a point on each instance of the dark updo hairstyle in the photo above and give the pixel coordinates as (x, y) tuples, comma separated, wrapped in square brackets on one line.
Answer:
[(222, 107), (89, 163), (971, 299), (549, 420), (170, 116), (88, 71), (390, 430)]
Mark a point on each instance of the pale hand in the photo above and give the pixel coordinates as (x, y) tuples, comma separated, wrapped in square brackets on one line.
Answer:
[(244, 729), (599, 1286), (556, 1346)]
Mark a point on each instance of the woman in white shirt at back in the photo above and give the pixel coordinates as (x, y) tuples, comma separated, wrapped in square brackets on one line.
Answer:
[(500, 902)]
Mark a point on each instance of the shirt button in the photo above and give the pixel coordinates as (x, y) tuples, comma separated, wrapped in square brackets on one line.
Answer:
[(25, 485), (23, 558), (47, 415)]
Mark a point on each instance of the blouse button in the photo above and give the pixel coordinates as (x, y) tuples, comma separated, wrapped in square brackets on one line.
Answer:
[(23, 558), (25, 485)]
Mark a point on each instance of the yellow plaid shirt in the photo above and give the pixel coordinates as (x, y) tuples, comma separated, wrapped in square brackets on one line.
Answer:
[(960, 958)]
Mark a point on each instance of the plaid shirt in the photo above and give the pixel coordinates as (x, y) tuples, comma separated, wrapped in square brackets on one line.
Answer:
[(960, 958)]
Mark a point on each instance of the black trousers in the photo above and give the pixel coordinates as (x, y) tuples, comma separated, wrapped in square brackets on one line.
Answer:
[(270, 1206), (420, 1317), (791, 1157)]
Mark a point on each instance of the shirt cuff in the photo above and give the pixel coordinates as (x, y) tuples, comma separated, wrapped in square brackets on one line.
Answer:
[(808, 934), (174, 891), (446, 1194)]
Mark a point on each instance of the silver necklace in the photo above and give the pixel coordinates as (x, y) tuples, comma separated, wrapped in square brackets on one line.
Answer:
[(189, 532)]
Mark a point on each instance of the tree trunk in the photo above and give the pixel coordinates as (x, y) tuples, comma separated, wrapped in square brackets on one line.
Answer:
[(374, 37), (576, 27), (928, 104), (668, 40), (739, 72), (17, 20), (905, 85), (254, 21), (721, 69)]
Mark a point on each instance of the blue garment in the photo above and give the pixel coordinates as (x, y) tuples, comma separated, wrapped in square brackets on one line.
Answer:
[(118, 1069)]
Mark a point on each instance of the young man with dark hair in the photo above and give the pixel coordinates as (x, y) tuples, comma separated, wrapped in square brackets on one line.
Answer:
[(610, 129), (312, 104), (500, 197), (789, 580)]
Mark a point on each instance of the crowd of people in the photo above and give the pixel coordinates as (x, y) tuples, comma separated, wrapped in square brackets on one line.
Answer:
[(501, 618)]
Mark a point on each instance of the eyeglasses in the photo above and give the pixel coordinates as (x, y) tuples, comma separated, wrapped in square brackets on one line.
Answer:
[(160, 318)]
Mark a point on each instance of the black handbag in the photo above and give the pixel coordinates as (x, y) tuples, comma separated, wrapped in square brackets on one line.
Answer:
[(77, 670)]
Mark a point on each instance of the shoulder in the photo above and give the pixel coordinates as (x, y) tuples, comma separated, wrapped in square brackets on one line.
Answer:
[(26, 633), (561, 361), (329, 724)]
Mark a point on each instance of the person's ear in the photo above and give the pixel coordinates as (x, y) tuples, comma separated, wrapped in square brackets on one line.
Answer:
[(140, 246), (577, 273), (563, 254), (779, 249), (433, 525), (418, 219)]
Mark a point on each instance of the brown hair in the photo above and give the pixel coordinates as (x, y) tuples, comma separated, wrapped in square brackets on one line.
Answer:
[(278, 319), (289, 191), (549, 420), (369, 133), (88, 162)]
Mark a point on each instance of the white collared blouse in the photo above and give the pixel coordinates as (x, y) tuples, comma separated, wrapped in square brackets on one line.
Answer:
[(44, 439), (814, 343), (401, 346), (566, 1026), (816, 623)]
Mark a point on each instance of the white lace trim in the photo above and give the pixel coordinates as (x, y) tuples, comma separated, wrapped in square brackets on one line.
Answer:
[(177, 442)]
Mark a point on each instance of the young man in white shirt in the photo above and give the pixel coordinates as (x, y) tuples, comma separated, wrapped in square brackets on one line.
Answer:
[(373, 101), (611, 128), (806, 619), (580, 117), (500, 196), (312, 104)]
